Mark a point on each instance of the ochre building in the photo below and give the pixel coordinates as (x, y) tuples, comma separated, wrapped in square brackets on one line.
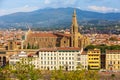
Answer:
[(56, 39), (94, 61), (113, 60)]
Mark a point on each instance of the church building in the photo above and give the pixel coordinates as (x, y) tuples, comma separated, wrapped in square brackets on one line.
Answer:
[(37, 40)]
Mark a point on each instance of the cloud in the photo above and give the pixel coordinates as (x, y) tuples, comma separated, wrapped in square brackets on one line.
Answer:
[(59, 3), (25, 8), (103, 9), (47, 2)]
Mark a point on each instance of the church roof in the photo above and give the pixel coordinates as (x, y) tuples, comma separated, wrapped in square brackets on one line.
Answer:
[(48, 49), (41, 34), (62, 34)]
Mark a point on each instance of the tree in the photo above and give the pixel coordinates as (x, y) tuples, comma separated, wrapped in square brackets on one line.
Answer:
[(28, 46)]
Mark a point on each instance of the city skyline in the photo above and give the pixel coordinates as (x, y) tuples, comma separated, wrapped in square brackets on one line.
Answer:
[(12, 6)]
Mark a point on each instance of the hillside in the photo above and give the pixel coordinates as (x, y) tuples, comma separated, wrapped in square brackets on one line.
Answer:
[(59, 17)]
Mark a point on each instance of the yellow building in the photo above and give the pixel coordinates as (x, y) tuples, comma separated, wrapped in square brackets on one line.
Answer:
[(94, 59), (113, 60)]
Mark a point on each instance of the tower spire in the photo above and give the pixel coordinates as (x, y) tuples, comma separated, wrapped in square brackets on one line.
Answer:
[(74, 22), (74, 14), (74, 30)]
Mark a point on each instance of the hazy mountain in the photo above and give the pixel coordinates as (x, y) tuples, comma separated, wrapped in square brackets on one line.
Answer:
[(51, 17)]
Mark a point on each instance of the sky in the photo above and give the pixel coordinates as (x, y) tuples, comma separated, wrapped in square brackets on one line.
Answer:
[(104, 6)]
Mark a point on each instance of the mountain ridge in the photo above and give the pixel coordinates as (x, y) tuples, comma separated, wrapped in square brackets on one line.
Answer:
[(54, 17)]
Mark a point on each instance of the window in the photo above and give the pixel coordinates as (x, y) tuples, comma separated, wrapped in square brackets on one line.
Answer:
[(78, 59), (73, 63), (95, 58), (69, 62), (41, 66), (41, 54), (54, 62), (110, 62), (44, 62), (69, 58), (41, 57), (72, 58), (78, 63), (62, 62), (72, 67), (41, 62), (66, 58), (114, 62), (69, 66), (78, 54), (59, 62)]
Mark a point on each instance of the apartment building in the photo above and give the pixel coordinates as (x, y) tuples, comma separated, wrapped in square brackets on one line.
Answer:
[(61, 58), (113, 60), (94, 61)]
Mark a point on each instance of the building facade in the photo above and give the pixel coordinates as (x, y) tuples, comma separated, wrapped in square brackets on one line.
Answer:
[(53, 59), (113, 60), (84, 60), (24, 58), (94, 61), (61, 58)]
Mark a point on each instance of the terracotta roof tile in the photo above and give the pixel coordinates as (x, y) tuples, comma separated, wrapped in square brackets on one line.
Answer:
[(68, 48), (112, 51), (60, 48), (84, 53), (43, 35)]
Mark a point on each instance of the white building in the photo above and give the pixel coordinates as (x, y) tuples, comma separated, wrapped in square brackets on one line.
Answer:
[(84, 60), (64, 58), (13, 59), (16, 58), (24, 58)]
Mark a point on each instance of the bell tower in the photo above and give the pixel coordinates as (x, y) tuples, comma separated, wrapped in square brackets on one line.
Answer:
[(74, 30)]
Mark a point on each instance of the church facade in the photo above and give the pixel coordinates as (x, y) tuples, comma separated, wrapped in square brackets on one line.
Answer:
[(36, 40)]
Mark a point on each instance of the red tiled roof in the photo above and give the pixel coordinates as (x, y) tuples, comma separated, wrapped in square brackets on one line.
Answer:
[(84, 53), (30, 54), (48, 49), (60, 48), (112, 51), (68, 48), (61, 34), (43, 35)]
